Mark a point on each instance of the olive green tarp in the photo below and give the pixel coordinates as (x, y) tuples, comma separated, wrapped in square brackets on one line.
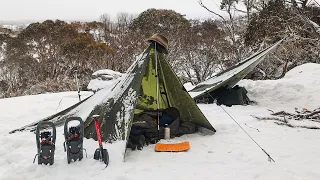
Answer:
[(134, 92), (231, 76)]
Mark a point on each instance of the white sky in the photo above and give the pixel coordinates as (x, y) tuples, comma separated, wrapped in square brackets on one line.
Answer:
[(37, 10), (17, 10)]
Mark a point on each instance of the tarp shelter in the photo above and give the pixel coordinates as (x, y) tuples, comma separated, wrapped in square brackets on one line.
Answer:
[(227, 79), (227, 96), (134, 92)]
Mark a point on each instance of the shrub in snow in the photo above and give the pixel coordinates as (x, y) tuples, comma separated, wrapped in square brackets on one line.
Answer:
[(50, 85), (103, 78)]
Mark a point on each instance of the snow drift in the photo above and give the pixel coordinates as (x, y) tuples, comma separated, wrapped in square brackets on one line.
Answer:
[(299, 88)]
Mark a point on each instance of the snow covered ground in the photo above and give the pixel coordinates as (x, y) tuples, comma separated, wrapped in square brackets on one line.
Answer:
[(229, 154)]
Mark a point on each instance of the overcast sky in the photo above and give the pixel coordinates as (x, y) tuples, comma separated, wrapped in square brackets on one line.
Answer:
[(16, 10), (37, 10)]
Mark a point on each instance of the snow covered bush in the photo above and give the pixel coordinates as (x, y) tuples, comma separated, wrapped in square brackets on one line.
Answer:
[(277, 20), (50, 85), (103, 78)]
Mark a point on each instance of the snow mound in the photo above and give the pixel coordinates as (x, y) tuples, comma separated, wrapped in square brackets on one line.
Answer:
[(299, 88), (103, 78)]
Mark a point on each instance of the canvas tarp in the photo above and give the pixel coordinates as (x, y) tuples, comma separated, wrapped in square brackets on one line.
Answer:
[(231, 76), (135, 89)]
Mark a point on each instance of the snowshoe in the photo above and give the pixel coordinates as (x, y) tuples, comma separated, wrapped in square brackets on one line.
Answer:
[(45, 143), (73, 135)]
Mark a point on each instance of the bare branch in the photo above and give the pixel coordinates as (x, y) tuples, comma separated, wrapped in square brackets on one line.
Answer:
[(240, 10), (202, 5)]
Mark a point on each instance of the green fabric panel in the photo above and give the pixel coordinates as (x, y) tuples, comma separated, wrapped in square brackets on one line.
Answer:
[(164, 89), (180, 98), (148, 95)]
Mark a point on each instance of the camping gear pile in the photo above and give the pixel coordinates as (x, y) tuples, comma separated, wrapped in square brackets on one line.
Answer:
[(230, 96), (145, 130)]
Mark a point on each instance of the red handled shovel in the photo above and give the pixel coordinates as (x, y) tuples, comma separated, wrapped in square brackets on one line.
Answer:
[(100, 153)]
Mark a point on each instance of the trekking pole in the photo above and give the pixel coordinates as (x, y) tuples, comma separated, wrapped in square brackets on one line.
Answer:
[(157, 89), (78, 86)]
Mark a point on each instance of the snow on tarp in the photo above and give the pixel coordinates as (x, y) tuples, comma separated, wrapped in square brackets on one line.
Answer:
[(233, 75), (85, 107), (114, 104)]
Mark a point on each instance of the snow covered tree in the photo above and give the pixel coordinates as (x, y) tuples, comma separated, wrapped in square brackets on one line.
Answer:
[(117, 35), (44, 41), (18, 68), (206, 51), (85, 55), (277, 20), (3, 44), (166, 22), (250, 5), (231, 25), (46, 54)]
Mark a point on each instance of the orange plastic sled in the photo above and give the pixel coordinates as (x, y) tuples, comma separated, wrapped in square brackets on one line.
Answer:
[(177, 147)]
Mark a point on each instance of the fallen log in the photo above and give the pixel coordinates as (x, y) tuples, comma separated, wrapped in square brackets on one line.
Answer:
[(290, 125), (283, 117)]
